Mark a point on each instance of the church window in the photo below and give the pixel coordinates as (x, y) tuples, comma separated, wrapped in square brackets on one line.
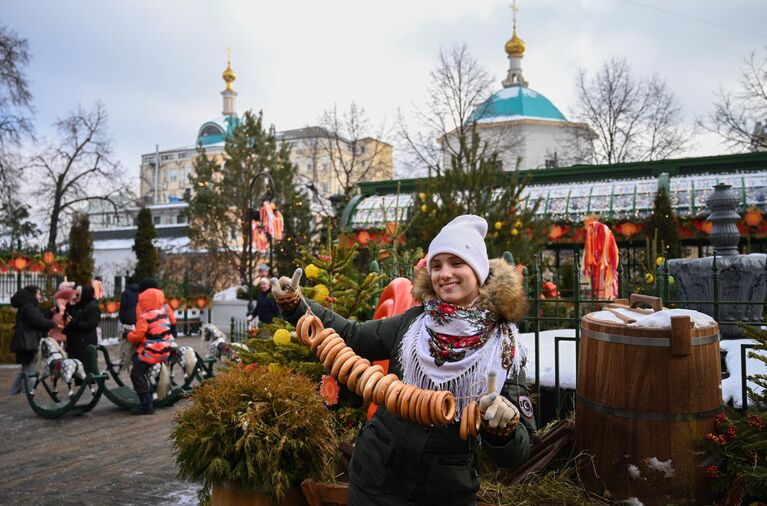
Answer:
[(211, 130)]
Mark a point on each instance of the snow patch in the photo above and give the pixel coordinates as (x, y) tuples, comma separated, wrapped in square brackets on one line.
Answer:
[(660, 466), (634, 472), (632, 501), (228, 294)]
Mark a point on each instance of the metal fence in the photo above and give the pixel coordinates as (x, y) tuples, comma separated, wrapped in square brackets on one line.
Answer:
[(11, 281)]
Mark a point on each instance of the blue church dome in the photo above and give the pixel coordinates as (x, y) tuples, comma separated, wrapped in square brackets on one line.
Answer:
[(216, 130), (516, 102)]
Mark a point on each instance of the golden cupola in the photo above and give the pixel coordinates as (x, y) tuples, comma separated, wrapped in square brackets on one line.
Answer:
[(229, 76), (515, 46)]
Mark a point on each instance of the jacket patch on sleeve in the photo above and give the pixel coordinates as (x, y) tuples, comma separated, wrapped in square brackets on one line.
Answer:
[(525, 406)]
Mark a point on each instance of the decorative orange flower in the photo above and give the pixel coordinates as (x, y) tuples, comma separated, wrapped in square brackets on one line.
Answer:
[(329, 390)]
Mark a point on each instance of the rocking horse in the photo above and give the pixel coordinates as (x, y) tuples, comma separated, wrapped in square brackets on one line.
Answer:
[(219, 347), (52, 361)]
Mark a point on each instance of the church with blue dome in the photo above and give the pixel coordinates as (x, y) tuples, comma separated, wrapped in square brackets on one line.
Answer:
[(523, 125)]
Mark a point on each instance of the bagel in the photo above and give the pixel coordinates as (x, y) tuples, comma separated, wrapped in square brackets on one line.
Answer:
[(346, 368), (360, 387), (340, 360), (332, 354), (425, 406), (404, 400), (379, 394), (370, 384), (329, 343), (392, 395), (359, 368), (321, 338)]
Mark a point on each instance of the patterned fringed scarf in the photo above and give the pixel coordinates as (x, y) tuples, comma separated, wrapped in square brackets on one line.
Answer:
[(453, 348)]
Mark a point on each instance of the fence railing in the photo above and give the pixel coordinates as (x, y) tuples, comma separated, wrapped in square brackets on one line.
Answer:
[(9, 283)]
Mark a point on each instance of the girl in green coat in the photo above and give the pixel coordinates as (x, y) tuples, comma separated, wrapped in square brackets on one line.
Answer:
[(464, 331)]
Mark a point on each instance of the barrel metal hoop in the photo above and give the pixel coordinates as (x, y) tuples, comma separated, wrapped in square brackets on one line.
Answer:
[(650, 416), (660, 342)]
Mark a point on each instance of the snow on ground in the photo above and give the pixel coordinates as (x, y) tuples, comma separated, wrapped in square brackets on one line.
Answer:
[(731, 387)]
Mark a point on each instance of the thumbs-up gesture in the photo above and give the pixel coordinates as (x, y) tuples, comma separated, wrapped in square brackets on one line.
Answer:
[(498, 412), (287, 292)]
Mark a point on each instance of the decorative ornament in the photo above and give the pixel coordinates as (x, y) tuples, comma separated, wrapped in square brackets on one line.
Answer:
[(514, 232), (329, 390), (649, 278), (321, 293), (424, 208), (498, 225), (753, 217), (281, 337), (659, 261), (312, 271)]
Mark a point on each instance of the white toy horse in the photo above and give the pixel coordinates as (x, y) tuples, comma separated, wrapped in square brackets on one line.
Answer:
[(183, 356), (219, 347), (52, 361)]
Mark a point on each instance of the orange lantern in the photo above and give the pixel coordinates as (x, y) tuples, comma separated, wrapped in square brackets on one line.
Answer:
[(49, 257), (174, 303), (707, 226), (556, 232), (201, 302), (19, 263), (112, 306), (628, 229), (753, 217), (363, 237)]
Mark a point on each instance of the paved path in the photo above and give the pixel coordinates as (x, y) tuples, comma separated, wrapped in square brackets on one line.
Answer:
[(106, 456)]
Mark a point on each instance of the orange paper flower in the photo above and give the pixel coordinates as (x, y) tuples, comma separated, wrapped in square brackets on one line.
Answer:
[(329, 390)]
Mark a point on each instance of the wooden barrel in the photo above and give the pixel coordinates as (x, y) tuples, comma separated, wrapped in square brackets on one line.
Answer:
[(643, 396)]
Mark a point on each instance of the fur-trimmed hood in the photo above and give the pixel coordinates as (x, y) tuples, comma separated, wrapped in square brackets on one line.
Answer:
[(502, 293)]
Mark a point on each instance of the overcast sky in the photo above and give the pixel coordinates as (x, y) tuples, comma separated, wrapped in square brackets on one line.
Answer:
[(156, 65)]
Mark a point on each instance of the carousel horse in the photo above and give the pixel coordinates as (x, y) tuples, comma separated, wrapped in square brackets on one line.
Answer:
[(219, 347), (52, 361)]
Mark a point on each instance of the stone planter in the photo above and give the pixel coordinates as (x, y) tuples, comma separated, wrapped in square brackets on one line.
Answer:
[(227, 495)]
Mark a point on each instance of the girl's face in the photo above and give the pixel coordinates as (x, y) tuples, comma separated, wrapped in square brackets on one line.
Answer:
[(453, 280), (75, 296)]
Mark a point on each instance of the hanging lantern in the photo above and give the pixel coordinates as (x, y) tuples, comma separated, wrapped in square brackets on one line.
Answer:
[(112, 306), (201, 302), (753, 217), (19, 263), (174, 303), (49, 258), (628, 229)]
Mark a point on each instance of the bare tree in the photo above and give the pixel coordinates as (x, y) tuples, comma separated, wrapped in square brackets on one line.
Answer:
[(15, 124), (458, 90), (355, 150), (738, 116), (77, 169), (633, 119)]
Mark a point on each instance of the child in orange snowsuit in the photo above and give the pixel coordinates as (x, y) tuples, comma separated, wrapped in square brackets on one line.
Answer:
[(153, 340)]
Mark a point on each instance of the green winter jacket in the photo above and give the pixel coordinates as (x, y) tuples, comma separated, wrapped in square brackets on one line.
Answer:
[(427, 465)]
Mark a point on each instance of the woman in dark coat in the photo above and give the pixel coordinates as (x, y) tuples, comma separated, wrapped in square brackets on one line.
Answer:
[(82, 320), (266, 307), (464, 332), (31, 326)]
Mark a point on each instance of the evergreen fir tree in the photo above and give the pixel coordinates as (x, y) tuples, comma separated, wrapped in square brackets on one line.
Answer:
[(80, 266), (294, 205), (474, 185), (664, 221), (147, 259), (334, 281), (218, 210)]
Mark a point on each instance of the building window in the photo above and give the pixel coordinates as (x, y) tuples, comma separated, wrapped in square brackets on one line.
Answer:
[(156, 220), (180, 218), (172, 175)]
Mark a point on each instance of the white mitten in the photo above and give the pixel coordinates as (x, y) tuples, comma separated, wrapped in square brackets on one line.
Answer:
[(498, 412), (287, 292)]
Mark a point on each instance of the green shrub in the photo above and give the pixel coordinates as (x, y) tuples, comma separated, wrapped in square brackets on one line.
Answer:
[(255, 427)]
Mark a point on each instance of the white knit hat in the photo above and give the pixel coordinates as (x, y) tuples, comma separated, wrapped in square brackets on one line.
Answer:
[(463, 237)]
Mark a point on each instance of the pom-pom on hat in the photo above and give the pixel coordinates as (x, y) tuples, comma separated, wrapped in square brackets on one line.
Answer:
[(463, 237)]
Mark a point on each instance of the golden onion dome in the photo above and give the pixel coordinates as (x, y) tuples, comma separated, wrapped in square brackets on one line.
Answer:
[(229, 76), (515, 46)]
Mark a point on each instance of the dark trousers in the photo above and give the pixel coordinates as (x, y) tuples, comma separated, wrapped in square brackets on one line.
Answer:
[(139, 375)]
